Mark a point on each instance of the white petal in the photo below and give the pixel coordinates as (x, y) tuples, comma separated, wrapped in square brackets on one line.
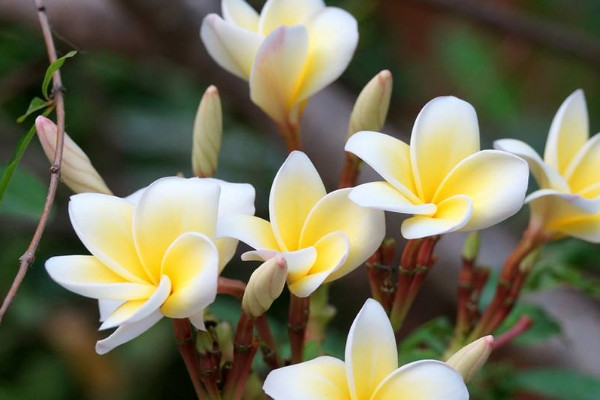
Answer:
[(232, 47), (276, 13), (240, 13), (568, 133), (545, 175), (192, 264), (259, 255), (333, 36), (296, 189), (584, 170), (277, 70), (427, 379), (87, 276), (371, 353), (235, 198), (136, 310), (365, 228), (106, 307), (169, 208), (494, 181), (254, 231), (321, 378), (127, 332), (445, 132), (383, 196), (576, 203), (104, 225), (299, 262), (226, 248), (389, 157), (452, 215)]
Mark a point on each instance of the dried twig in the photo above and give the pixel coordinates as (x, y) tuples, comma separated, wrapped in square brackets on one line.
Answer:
[(57, 91)]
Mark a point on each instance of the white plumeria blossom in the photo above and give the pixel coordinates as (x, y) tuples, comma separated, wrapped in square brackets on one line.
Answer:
[(568, 201), (321, 236), (370, 370), (153, 254), (292, 50), (442, 178)]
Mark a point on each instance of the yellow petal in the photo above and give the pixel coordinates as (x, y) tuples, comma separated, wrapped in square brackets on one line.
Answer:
[(276, 13), (127, 332), (383, 196), (296, 189), (445, 132), (333, 36), (321, 378), (452, 215), (240, 13), (168, 208), (584, 171), (87, 276), (371, 353), (427, 379), (104, 225), (568, 133), (546, 176), (389, 157), (494, 181), (232, 47), (192, 265), (255, 232), (277, 71), (136, 310), (364, 227)]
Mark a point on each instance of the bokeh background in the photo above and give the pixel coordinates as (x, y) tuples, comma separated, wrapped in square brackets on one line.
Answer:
[(132, 93)]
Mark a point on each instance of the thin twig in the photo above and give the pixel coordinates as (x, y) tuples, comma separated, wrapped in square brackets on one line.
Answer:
[(57, 91)]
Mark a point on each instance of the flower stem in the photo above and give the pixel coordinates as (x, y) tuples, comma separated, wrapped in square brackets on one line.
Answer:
[(232, 287), (268, 345), (290, 131), (297, 321), (509, 284), (350, 171), (245, 348), (185, 343), (522, 326)]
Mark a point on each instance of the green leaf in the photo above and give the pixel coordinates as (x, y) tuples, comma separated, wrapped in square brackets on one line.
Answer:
[(17, 155), (431, 338), (559, 384), (25, 197), (544, 326), (35, 105), (52, 69)]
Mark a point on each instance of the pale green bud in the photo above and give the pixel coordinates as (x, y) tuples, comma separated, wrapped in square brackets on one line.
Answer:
[(208, 129), (469, 360), (471, 246), (371, 107), (76, 170), (264, 286)]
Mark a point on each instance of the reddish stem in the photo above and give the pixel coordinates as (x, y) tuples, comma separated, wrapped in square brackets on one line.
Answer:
[(185, 343), (232, 287), (268, 345), (350, 171), (243, 354), (522, 325), (297, 321)]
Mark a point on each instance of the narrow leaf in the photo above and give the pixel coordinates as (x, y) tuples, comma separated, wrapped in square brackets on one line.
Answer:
[(52, 69), (35, 105), (559, 384)]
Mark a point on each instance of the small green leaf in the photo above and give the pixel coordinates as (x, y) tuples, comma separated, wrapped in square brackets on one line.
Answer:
[(25, 197), (52, 69), (544, 326), (559, 384), (35, 105), (432, 336)]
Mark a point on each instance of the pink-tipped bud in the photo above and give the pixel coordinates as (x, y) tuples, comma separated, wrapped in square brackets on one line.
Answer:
[(371, 107), (77, 171), (208, 129), (264, 286), (469, 360)]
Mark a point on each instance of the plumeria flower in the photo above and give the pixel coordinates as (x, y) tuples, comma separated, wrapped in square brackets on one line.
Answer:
[(153, 254), (321, 236), (370, 370), (441, 178), (292, 50), (568, 202)]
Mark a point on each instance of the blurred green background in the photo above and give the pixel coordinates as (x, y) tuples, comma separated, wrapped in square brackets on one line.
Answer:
[(132, 93)]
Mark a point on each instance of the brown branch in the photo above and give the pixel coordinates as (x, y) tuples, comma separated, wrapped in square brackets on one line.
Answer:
[(534, 30), (57, 91)]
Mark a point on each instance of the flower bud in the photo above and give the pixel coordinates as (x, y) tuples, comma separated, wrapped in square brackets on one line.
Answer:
[(471, 246), (264, 286), (371, 107), (208, 129), (530, 260), (469, 360), (77, 171)]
